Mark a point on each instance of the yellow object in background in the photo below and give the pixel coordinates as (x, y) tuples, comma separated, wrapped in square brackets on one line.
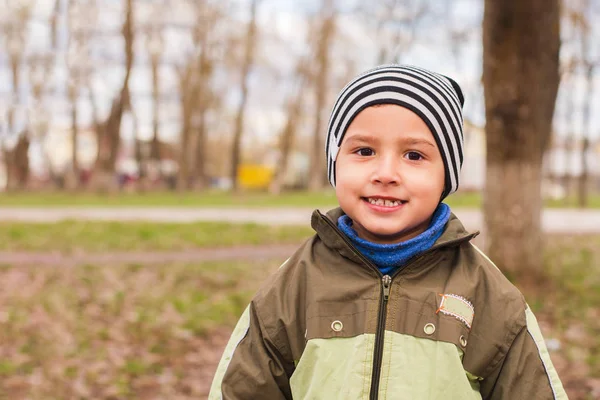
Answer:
[(253, 176)]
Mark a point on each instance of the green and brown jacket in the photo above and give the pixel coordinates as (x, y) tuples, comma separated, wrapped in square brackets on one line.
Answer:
[(328, 325)]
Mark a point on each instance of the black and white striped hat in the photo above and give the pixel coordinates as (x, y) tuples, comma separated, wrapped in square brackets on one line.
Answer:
[(437, 99)]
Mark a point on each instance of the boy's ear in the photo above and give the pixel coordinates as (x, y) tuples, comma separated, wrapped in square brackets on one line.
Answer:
[(458, 90)]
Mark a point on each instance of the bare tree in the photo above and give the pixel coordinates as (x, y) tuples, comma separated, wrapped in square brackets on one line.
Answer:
[(286, 137), (155, 45), (188, 87), (205, 70), (589, 63), (15, 37), (79, 71), (397, 22), (40, 68), (567, 85), (327, 31), (250, 45), (209, 42), (97, 124), (41, 81), (196, 93), (110, 129), (520, 77), (573, 21)]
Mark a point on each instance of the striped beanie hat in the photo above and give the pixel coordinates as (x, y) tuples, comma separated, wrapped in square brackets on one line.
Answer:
[(435, 98)]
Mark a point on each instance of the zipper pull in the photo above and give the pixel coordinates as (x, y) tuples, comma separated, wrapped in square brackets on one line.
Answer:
[(387, 282)]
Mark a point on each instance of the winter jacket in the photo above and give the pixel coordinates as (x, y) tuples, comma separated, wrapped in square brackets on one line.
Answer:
[(328, 325)]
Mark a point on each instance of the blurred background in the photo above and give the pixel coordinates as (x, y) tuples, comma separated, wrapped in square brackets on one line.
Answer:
[(159, 158)]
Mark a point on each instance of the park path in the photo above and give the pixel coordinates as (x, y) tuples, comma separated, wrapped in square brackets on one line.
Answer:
[(262, 252), (553, 220)]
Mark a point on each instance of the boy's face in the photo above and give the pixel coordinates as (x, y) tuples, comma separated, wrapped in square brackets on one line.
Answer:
[(389, 174)]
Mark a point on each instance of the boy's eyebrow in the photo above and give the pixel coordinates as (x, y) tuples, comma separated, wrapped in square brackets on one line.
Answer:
[(359, 137), (410, 140), (414, 141)]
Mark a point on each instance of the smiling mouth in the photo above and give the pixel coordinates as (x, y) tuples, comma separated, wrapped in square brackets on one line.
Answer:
[(377, 201)]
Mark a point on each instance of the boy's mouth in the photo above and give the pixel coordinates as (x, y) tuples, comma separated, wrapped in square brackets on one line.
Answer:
[(384, 201)]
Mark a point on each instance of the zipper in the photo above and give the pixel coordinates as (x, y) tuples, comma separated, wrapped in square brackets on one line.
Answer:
[(386, 284)]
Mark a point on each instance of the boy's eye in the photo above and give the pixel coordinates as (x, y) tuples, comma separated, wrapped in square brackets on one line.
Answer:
[(365, 152), (413, 156)]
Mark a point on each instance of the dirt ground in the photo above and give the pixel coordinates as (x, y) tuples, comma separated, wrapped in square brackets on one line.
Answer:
[(211, 353)]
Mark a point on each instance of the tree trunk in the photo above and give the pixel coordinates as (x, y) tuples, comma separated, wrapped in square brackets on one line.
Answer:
[(285, 147), (239, 119), (289, 130), (183, 176), (74, 175), (21, 161), (189, 92), (520, 76), (205, 96), (200, 161), (95, 121), (7, 155), (317, 165), (54, 25), (512, 215), (155, 143), (12, 181), (582, 192), (110, 132), (140, 160)]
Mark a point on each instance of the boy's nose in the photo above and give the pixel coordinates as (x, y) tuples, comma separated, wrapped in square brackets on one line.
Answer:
[(386, 171)]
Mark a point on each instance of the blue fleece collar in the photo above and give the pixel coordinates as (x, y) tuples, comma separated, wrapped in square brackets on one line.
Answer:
[(390, 257)]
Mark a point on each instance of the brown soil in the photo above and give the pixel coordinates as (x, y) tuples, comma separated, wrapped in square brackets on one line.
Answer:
[(211, 352)]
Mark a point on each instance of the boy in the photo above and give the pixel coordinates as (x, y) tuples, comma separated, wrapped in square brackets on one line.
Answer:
[(389, 300)]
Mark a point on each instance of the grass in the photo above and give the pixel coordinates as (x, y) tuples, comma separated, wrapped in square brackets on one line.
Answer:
[(569, 309), (95, 236), (169, 199), (117, 331), (325, 198)]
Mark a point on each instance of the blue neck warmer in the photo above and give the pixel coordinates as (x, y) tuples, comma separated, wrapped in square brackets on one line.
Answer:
[(389, 257)]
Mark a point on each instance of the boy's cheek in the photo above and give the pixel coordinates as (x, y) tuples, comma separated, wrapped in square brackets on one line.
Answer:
[(351, 170)]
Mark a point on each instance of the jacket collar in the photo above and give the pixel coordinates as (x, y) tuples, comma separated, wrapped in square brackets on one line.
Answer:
[(326, 227)]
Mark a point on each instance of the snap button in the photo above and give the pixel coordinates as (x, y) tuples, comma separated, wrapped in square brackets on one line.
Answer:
[(337, 326), (429, 329), (463, 341)]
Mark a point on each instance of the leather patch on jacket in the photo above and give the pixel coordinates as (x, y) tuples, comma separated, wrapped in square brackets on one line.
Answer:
[(458, 307)]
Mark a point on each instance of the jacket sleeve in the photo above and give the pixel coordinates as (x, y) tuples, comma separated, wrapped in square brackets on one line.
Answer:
[(526, 371), (252, 366)]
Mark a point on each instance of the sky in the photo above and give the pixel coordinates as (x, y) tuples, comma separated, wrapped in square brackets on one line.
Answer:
[(283, 29)]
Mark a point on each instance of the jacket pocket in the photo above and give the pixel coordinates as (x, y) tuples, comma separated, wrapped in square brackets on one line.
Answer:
[(328, 319)]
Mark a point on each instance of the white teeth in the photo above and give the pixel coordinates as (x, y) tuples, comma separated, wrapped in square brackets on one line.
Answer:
[(385, 203)]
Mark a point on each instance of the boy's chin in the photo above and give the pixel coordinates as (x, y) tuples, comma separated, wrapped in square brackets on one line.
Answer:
[(393, 233), (387, 236)]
